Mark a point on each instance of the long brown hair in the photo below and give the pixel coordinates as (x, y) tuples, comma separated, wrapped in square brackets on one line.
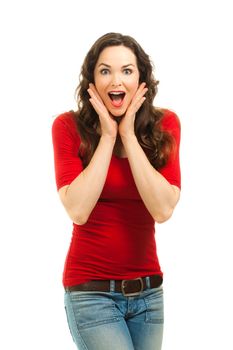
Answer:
[(156, 143)]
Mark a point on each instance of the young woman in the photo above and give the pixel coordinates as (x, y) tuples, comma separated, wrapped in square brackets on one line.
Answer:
[(117, 173)]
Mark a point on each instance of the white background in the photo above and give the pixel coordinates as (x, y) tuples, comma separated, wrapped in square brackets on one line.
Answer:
[(43, 44)]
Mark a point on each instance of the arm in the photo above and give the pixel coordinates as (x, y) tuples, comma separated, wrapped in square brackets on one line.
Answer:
[(158, 195), (80, 197), (79, 189)]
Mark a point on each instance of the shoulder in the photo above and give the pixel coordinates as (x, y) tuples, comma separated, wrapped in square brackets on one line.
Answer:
[(170, 120), (65, 122), (64, 119)]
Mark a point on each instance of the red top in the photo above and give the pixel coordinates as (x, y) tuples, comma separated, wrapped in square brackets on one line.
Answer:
[(118, 240)]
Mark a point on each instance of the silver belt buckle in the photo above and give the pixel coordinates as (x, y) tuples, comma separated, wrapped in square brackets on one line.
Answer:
[(124, 285)]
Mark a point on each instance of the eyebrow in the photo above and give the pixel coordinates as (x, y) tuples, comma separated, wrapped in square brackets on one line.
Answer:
[(107, 65)]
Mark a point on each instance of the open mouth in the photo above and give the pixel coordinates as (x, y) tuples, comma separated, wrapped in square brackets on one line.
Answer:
[(117, 97)]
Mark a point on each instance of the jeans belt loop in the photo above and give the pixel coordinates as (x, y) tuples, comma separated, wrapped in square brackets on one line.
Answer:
[(148, 282), (112, 286)]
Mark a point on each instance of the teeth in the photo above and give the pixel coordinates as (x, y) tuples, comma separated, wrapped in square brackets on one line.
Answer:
[(116, 93)]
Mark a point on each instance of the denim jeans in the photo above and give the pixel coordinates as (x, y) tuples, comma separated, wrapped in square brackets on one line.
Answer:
[(112, 321)]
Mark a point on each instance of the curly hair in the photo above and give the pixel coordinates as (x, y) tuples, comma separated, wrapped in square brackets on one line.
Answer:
[(156, 143)]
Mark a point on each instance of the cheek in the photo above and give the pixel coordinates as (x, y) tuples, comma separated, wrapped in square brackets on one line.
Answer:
[(133, 89), (100, 88), (133, 85), (100, 85)]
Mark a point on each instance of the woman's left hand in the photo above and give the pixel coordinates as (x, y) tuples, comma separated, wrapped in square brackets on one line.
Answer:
[(126, 126)]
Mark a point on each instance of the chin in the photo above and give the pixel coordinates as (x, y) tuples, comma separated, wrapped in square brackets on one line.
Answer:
[(117, 114)]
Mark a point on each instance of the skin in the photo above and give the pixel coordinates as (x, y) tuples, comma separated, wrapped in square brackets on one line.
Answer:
[(81, 196), (116, 69)]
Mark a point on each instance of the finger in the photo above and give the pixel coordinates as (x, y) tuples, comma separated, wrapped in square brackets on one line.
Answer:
[(97, 105), (92, 94), (98, 102), (138, 96), (141, 87), (140, 92), (92, 88), (134, 107), (139, 103)]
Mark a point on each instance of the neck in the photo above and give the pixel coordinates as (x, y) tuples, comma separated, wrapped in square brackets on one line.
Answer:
[(117, 119)]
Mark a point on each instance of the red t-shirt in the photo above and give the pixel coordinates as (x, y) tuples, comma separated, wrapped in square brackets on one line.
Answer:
[(118, 240)]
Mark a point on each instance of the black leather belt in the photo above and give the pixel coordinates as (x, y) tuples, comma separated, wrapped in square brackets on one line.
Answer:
[(126, 287)]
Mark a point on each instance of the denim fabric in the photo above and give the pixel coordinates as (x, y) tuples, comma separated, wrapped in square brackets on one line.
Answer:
[(111, 321)]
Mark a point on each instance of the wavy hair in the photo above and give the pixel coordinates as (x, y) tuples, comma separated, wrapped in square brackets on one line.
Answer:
[(156, 143)]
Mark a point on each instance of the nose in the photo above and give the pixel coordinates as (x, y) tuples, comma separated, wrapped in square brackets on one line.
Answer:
[(115, 85), (116, 81)]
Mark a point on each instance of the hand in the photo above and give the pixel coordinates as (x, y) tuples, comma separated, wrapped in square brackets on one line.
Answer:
[(108, 125), (126, 126)]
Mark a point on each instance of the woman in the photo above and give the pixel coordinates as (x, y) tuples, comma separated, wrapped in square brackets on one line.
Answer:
[(117, 172)]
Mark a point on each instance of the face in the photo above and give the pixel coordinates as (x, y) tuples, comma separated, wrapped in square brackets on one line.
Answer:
[(116, 78)]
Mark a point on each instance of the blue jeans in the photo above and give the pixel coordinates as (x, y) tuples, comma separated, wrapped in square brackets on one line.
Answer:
[(112, 321)]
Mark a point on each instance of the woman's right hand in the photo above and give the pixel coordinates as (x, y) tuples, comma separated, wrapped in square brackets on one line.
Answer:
[(109, 126)]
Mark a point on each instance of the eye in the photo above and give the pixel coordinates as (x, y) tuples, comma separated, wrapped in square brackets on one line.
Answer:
[(104, 71), (127, 71)]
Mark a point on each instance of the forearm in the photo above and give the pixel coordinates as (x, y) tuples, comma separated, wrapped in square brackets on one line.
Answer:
[(83, 193), (158, 195)]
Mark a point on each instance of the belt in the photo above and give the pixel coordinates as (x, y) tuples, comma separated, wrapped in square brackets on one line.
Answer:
[(126, 287)]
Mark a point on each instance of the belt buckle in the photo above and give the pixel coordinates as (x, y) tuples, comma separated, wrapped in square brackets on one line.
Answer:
[(124, 285)]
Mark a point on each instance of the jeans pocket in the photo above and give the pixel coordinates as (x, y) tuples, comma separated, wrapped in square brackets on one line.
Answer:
[(69, 324), (91, 309), (154, 306)]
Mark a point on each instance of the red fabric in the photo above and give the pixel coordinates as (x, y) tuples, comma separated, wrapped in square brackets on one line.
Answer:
[(118, 240)]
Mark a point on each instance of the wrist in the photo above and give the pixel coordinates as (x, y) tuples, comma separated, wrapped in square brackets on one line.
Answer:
[(108, 138), (128, 138)]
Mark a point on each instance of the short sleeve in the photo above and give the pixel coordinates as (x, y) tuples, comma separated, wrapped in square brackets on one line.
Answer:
[(171, 171), (66, 142)]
